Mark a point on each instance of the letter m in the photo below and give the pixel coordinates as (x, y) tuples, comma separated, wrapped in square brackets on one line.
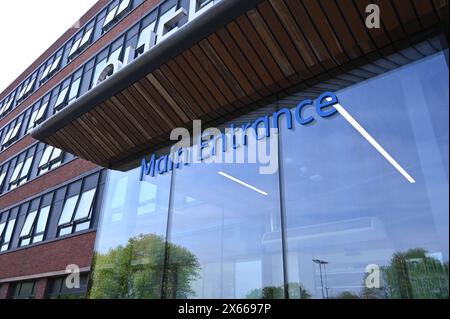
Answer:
[(148, 168)]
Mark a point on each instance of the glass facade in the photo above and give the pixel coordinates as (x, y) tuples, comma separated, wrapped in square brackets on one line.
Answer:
[(339, 217)]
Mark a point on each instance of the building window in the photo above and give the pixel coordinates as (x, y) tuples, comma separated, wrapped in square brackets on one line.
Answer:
[(23, 290), (12, 135), (20, 173), (7, 106), (80, 44), (21, 92), (74, 49), (62, 98), (124, 6), (98, 68), (51, 68), (55, 66), (86, 39), (115, 14), (5, 238), (76, 214), (74, 88), (2, 179), (30, 86), (59, 290), (26, 89), (109, 18), (51, 158), (37, 116), (34, 227)]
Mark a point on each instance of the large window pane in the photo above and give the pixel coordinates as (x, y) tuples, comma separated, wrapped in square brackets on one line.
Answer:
[(130, 247), (26, 230), (220, 222), (42, 221), (67, 213), (85, 205), (350, 212)]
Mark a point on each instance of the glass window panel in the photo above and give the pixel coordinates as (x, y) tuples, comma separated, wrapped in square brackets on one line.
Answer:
[(16, 130), (25, 241), (55, 154), (85, 205), (8, 104), (16, 172), (56, 64), (86, 37), (65, 231), (22, 91), (142, 235), (220, 236), (74, 47), (350, 212), (27, 290), (32, 119), (82, 226), (69, 207), (26, 167), (2, 179), (30, 85), (42, 221), (46, 155), (62, 97), (8, 136), (41, 114), (46, 71), (123, 6), (74, 90), (2, 227), (110, 16), (38, 238), (27, 226), (9, 230)]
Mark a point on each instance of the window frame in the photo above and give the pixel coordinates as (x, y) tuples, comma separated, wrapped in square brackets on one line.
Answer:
[(33, 233), (5, 240), (70, 227), (21, 172), (51, 161)]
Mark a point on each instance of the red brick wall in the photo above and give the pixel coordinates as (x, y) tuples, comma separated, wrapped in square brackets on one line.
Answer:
[(53, 256)]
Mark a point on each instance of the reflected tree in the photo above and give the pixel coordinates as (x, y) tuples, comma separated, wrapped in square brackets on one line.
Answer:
[(136, 270), (412, 275), (296, 291)]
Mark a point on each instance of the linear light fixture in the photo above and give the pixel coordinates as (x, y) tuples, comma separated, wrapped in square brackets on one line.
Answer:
[(234, 179), (373, 142)]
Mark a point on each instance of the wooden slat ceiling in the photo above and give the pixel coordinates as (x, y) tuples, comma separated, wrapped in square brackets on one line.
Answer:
[(271, 50)]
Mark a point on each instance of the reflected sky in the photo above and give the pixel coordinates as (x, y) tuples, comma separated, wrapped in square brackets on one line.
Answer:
[(345, 203)]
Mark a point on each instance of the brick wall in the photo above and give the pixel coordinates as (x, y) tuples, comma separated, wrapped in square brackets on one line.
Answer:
[(49, 257)]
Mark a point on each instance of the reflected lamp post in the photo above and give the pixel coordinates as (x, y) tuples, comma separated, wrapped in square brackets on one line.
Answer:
[(324, 263)]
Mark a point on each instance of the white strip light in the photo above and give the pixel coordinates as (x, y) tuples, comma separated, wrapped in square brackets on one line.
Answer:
[(374, 143), (234, 179)]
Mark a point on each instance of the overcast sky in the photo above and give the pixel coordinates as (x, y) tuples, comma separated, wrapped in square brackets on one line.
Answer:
[(29, 27)]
